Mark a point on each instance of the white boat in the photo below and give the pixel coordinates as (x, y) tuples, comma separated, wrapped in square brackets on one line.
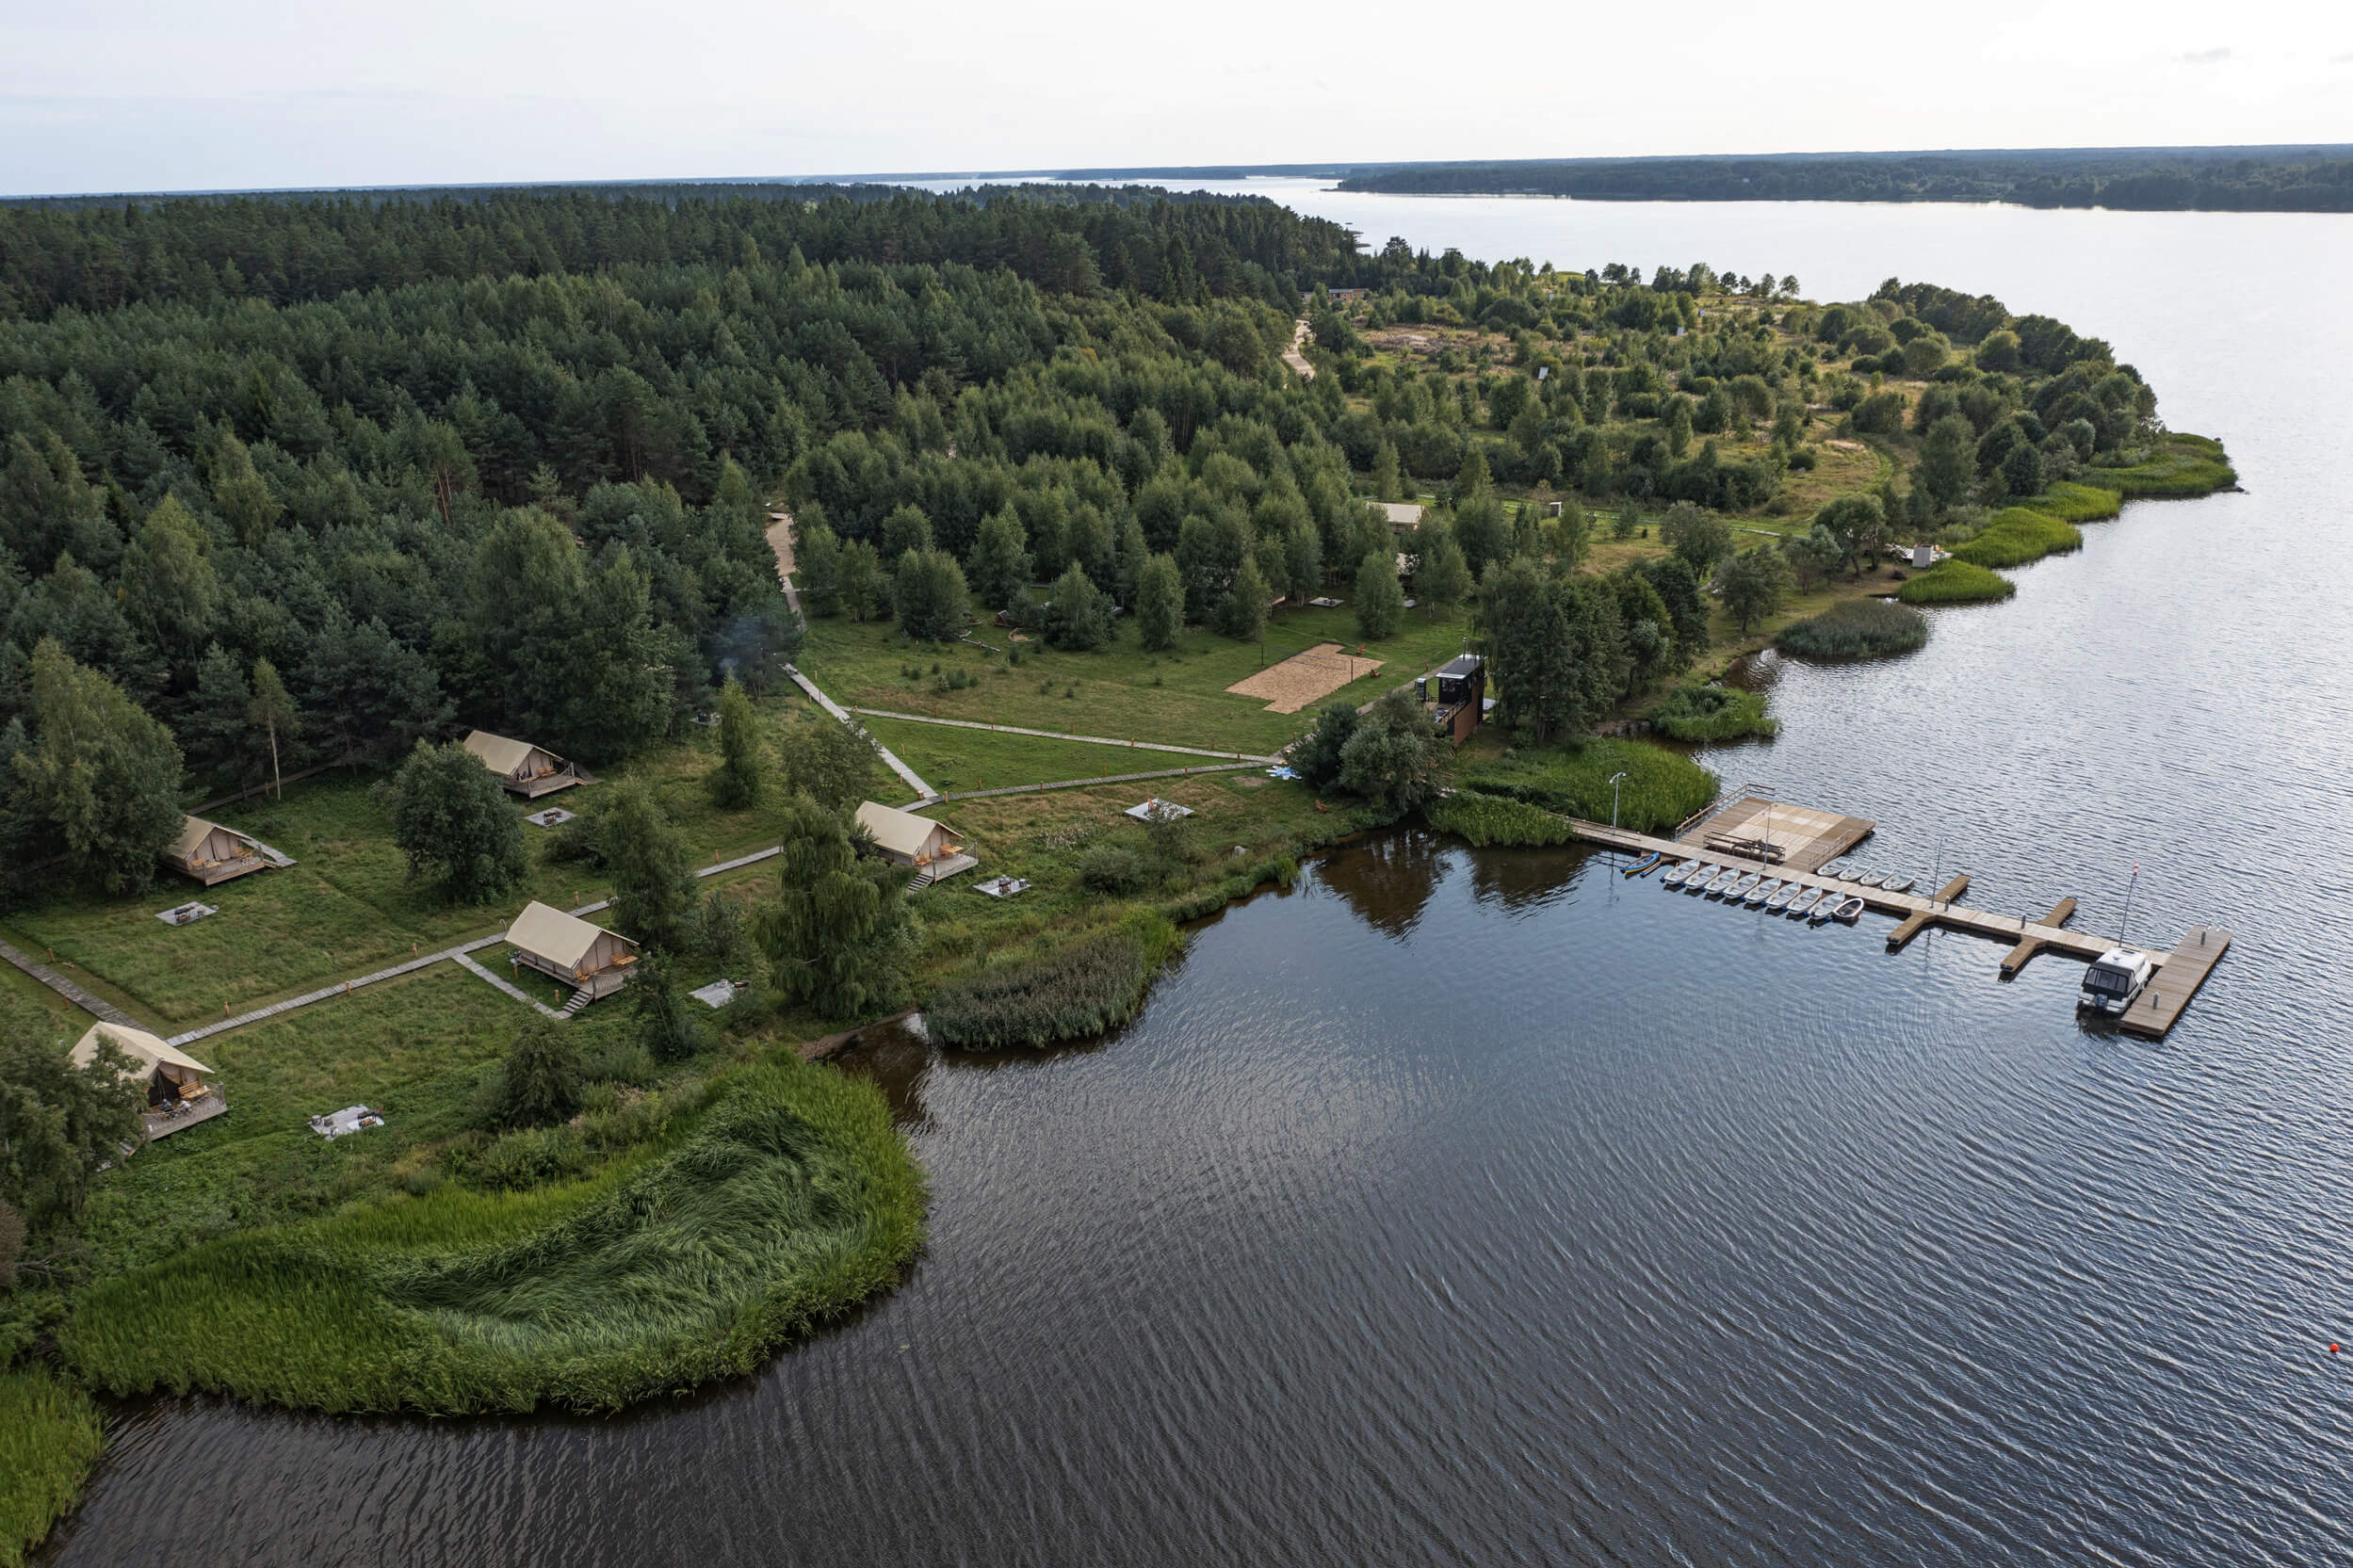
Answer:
[(1870, 878), (1848, 912), (1744, 881), (1677, 875), (1896, 884), (2112, 980), (1782, 899), (1826, 906), (1697, 882), (1721, 882), (1804, 903), (1767, 887)]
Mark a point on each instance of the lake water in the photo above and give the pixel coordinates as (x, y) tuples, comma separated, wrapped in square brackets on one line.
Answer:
[(1486, 1209)]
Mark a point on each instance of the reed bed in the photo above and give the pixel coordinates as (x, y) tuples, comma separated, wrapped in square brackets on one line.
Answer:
[(1661, 787), (1066, 992), (1956, 582), (1855, 629), (1491, 819), (1701, 713), (2188, 465), (786, 1199), (50, 1437), (2018, 535)]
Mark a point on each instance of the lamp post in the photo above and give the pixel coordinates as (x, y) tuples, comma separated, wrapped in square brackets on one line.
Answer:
[(1615, 780)]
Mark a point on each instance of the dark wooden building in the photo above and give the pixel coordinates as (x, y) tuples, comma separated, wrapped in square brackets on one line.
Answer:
[(1456, 696)]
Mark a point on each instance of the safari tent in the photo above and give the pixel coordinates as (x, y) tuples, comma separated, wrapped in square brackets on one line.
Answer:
[(917, 841), (529, 770), (178, 1094), (211, 853), (565, 947)]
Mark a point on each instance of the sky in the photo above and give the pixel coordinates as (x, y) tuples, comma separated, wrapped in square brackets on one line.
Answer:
[(137, 96)]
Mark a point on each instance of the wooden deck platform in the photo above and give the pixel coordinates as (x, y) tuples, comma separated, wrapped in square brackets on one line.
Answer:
[(1801, 837), (2061, 912), (1919, 921), (2157, 1009)]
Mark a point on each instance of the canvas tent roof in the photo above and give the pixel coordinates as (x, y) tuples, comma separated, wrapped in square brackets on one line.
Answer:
[(498, 754), (901, 832), (135, 1044), (195, 829), (558, 937)]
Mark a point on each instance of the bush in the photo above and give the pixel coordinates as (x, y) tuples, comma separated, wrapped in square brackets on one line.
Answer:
[(2185, 466), (1076, 990), (1956, 582), (531, 1157), (1856, 628), (1661, 787), (541, 1081), (1486, 819), (1117, 870), (1713, 713), (785, 1200), (2018, 535)]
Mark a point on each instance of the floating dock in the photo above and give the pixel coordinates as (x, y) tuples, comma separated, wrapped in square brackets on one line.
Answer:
[(1795, 842)]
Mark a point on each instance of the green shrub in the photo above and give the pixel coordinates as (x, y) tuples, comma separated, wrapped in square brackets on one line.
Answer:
[(2018, 535), (1486, 819), (1711, 713), (519, 1161), (1956, 582), (1118, 869), (1661, 787), (1078, 989), (788, 1198), (2074, 503), (50, 1437), (1856, 628)]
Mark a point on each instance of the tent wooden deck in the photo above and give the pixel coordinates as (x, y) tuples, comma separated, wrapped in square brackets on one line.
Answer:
[(211, 853), (588, 958), (528, 770), (179, 1093)]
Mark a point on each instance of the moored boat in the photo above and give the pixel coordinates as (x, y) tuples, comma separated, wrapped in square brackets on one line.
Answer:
[(1722, 881), (1738, 889), (1896, 884), (1848, 911), (1825, 906), (1783, 897), (1870, 878), (1679, 875), (1804, 903), (1764, 889)]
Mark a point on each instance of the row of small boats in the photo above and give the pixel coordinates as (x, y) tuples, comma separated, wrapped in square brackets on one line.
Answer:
[(1764, 891)]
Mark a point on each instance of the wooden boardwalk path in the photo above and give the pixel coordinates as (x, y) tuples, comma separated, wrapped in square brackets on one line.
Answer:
[(1914, 924), (67, 989), (924, 793), (2061, 912), (1059, 734), (2160, 1007)]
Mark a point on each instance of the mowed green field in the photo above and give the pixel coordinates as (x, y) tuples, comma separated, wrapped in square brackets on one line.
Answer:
[(347, 908), (951, 759), (1121, 691)]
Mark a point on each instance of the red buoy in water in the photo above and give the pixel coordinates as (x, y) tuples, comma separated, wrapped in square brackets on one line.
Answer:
[(2332, 1350)]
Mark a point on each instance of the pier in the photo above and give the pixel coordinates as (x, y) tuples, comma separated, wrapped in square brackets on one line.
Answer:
[(1793, 842)]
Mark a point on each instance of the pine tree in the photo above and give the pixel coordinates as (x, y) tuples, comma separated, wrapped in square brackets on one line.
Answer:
[(273, 711)]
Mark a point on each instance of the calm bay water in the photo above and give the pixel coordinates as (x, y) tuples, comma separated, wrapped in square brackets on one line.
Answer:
[(1482, 1207)]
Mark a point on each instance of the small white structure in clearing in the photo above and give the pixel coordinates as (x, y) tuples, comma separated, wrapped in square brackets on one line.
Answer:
[(180, 914), (177, 1095), (917, 841), (567, 949), (1002, 887), (1404, 516), (343, 1122), (1158, 809), (716, 994), (554, 817)]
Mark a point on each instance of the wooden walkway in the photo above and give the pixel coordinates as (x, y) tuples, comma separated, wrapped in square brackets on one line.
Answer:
[(924, 793), (2160, 1007), (1059, 734), (68, 990), (1108, 778)]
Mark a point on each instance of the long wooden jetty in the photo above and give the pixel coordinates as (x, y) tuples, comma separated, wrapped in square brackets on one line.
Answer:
[(1793, 843), (2159, 1007)]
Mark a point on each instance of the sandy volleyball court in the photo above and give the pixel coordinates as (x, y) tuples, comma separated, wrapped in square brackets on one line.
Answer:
[(1314, 673)]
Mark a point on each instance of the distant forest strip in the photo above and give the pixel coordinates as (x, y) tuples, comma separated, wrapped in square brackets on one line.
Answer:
[(2248, 179)]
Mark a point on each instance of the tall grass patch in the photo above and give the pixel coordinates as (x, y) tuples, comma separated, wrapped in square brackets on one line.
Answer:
[(50, 1437), (1856, 629), (787, 1199), (1698, 713), (1067, 992), (2074, 503), (1491, 819), (1661, 788), (1956, 582), (2018, 535)]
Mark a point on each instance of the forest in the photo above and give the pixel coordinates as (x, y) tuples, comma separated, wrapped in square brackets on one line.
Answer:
[(2196, 179)]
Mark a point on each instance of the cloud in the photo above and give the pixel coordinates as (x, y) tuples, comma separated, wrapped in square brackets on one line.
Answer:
[(2205, 56)]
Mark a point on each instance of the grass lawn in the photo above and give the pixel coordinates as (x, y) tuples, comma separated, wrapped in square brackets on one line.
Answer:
[(347, 907), (28, 1004), (1123, 692), (951, 759)]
